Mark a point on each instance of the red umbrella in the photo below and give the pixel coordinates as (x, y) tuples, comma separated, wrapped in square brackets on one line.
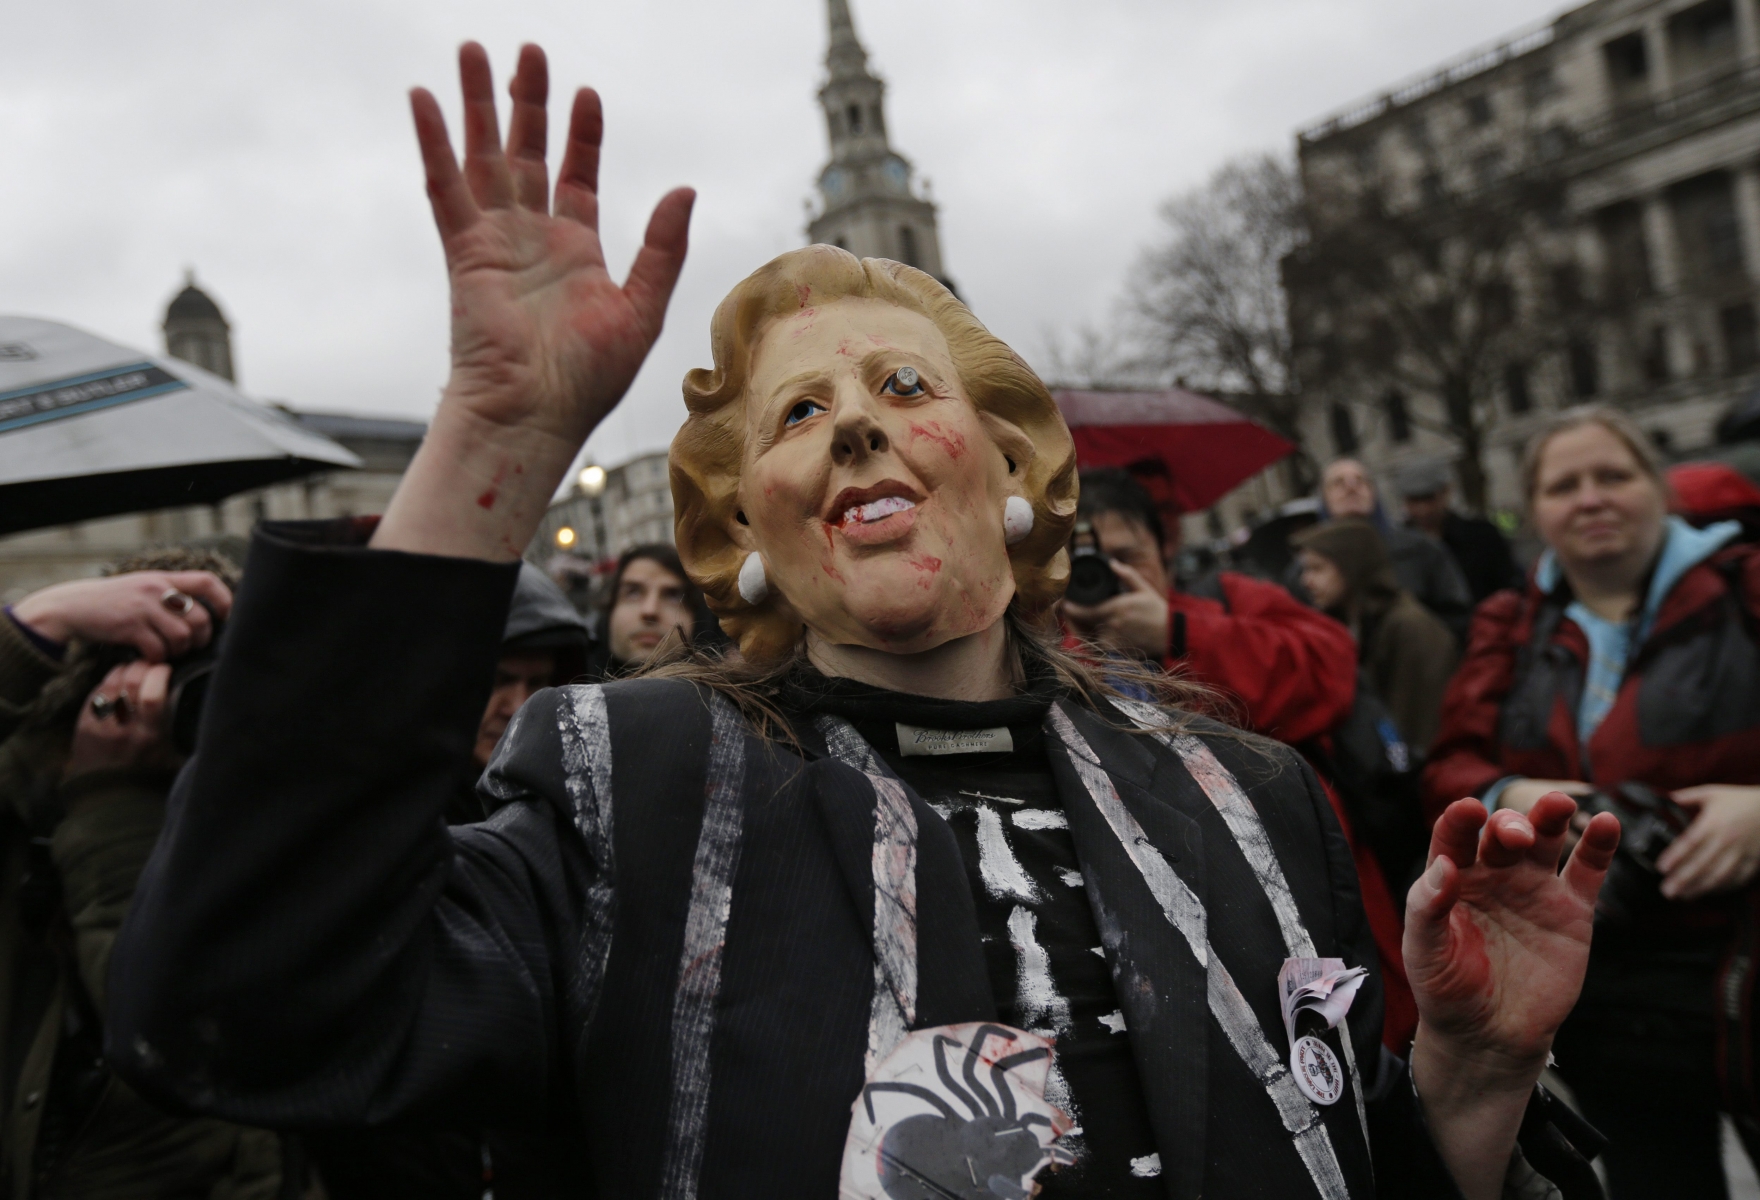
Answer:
[(1186, 448)]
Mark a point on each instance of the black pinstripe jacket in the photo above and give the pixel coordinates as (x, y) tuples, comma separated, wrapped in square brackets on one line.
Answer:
[(667, 937)]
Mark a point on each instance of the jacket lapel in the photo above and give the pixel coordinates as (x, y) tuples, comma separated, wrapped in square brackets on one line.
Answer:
[(950, 985), (1140, 856)]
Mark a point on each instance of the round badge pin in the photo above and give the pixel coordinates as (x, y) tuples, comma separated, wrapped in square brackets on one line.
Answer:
[(1317, 1070)]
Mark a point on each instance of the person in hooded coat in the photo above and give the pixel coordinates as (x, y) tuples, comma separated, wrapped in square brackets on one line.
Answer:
[(1423, 565), (1406, 652)]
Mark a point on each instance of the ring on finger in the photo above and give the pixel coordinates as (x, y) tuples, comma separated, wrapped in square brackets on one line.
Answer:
[(177, 602), (105, 706)]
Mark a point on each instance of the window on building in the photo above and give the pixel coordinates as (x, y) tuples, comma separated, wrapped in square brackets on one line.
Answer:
[(1655, 360), (1418, 131), (1741, 340), (1567, 286), (1585, 370), (1430, 187), (1344, 430), (1626, 251), (1709, 233), (1553, 142), (1478, 108), (907, 245), (1497, 305), (1539, 85), (1487, 167), (1628, 62), (879, 119), (1399, 419), (1702, 39), (854, 114), (1515, 388)]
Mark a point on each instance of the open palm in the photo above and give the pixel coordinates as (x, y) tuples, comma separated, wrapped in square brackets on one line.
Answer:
[(1497, 940), (543, 339)]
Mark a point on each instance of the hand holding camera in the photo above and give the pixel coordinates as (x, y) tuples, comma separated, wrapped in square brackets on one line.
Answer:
[(1110, 602), (162, 614), (123, 726)]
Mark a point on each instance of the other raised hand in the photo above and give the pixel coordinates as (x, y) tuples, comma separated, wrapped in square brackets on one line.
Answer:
[(544, 341), (1496, 944)]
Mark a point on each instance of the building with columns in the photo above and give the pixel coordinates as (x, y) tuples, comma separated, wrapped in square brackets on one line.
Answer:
[(869, 204), (1649, 112)]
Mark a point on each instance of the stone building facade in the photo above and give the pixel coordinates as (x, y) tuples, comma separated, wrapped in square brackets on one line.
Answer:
[(868, 202), (607, 510), (1648, 112)]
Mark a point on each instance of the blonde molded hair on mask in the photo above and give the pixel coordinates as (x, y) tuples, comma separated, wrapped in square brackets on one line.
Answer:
[(709, 452)]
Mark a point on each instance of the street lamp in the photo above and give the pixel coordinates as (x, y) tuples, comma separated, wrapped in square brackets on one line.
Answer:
[(592, 480), (565, 536)]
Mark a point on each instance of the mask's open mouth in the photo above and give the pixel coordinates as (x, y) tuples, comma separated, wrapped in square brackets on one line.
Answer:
[(876, 510)]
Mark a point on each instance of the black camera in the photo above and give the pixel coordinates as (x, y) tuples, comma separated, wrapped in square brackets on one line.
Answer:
[(1091, 577), (187, 690), (1649, 822)]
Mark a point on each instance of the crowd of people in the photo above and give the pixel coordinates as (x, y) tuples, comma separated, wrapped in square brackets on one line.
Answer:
[(377, 869)]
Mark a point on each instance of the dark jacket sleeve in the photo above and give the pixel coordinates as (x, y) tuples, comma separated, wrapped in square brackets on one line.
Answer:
[(24, 670), (309, 946)]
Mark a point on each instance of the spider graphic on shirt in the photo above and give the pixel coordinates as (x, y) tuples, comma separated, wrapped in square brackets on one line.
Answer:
[(949, 1155)]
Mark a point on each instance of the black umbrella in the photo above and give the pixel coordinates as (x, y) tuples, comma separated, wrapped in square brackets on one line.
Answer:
[(89, 429)]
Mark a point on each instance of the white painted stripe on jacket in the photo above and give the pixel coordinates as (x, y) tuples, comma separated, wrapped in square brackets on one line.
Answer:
[(894, 1006), (1236, 809), (1228, 1007), (705, 938)]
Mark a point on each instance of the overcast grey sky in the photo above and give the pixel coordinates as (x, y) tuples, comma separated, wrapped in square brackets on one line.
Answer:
[(268, 146)]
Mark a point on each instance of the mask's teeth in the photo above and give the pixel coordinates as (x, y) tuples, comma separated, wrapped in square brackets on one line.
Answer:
[(876, 510)]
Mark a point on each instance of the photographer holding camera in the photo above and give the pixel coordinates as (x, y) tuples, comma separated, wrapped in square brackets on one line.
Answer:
[(1628, 673), (100, 681), (1291, 670)]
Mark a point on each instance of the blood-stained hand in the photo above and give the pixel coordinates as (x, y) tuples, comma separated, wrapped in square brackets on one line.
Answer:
[(1496, 944), (544, 341), (1497, 939)]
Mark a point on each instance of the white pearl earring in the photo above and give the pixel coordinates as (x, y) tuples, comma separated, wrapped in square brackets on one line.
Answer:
[(753, 585), (1017, 519)]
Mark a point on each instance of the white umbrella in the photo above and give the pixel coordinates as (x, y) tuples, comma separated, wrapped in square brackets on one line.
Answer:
[(89, 428)]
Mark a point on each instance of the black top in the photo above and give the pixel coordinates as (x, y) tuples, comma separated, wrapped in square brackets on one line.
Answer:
[(1047, 968), (1483, 554)]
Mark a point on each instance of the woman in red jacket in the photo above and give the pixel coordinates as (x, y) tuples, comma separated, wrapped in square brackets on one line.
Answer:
[(1631, 658)]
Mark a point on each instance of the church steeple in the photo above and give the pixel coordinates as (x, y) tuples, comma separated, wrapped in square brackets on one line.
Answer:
[(868, 205)]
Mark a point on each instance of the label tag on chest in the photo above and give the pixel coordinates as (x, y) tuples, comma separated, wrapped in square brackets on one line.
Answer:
[(914, 739)]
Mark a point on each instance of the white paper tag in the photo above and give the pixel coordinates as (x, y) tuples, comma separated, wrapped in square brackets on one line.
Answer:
[(1324, 987), (1317, 1071), (914, 739), (958, 1110)]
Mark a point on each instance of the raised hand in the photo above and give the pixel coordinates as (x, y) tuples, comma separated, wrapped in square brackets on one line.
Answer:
[(544, 341), (1496, 944)]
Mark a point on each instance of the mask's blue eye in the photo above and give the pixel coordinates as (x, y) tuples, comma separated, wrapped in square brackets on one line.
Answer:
[(803, 410), (904, 382)]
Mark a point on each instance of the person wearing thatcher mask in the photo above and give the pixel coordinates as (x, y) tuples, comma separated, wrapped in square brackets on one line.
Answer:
[(899, 904)]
